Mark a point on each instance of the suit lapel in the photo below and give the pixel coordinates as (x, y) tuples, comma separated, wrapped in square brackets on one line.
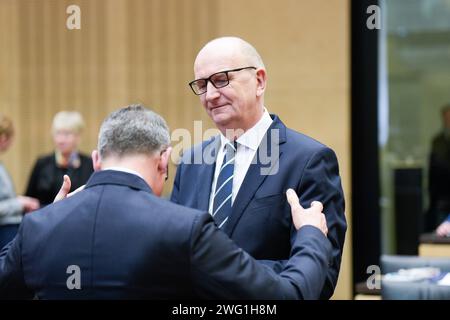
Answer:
[(257, 172), (206, 173)]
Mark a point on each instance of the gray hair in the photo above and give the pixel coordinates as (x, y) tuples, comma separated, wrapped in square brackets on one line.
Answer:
[(133, 130)]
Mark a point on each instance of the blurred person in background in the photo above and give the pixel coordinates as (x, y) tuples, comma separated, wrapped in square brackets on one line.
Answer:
[(444, 228), (49, 170), (11, 206), (241, 189), (439, 175)]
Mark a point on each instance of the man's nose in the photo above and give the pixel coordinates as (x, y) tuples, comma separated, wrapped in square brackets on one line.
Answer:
[(211, 92)]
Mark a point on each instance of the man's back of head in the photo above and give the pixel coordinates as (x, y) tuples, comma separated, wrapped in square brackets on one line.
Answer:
[(132, 130), (137, 139)]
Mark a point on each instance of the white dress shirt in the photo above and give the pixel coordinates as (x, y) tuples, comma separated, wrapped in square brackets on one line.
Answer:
[(247, 145)]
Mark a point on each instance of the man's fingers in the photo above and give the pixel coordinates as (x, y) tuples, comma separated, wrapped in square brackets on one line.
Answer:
[(318, 205), (65, 188), (293, 199)]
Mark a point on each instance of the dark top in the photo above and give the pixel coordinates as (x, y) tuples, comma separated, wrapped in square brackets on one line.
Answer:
[(46, 177), (117, 240)]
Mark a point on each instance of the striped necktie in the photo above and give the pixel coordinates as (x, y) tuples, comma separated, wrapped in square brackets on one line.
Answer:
[(224, 186)]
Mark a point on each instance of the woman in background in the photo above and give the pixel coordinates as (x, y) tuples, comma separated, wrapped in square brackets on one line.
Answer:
[(48, 172), (11, 206)]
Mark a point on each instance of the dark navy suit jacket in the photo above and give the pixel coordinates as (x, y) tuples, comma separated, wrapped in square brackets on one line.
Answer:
[(261, 221), (128, 243)]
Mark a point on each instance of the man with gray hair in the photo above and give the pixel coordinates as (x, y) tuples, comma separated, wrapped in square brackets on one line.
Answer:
[(116, 239)]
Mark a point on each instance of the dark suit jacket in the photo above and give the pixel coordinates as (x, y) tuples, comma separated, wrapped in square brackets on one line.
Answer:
[(439, 186), (261, 221), (46, 177), (129, 243)]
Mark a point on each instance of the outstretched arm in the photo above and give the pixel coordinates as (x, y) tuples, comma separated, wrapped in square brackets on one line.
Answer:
[(222, 270)]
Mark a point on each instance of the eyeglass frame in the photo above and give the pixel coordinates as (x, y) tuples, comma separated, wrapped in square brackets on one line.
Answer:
[(209, 79)]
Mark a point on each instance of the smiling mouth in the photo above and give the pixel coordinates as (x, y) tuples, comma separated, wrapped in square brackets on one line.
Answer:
[(217, 107)]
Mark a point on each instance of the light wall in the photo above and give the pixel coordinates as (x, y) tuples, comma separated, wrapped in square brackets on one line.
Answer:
[(131, 51)]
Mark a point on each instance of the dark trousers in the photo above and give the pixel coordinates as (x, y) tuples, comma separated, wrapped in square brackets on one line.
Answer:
[(7, 233)]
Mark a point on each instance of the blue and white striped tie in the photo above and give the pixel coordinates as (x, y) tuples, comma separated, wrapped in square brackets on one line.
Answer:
[(224, 187)]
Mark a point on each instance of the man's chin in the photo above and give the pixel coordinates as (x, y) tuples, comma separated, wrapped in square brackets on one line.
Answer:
[(221, 119)]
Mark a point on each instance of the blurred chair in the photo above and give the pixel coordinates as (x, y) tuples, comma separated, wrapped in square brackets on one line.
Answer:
[(415, 290)]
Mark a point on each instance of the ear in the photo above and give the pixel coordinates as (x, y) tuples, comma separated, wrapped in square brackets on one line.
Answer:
[(163, 164), (96, 161), (261, 78)]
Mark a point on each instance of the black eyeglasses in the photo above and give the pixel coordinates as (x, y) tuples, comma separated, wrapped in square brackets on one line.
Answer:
[(218, 80)]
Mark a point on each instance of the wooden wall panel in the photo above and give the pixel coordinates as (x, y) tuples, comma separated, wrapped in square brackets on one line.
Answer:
[(127, 51), (306, 49), (131, 51)]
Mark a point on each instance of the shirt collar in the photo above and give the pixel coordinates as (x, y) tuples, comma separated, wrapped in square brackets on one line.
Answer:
[(253, 136), (123, 169)]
